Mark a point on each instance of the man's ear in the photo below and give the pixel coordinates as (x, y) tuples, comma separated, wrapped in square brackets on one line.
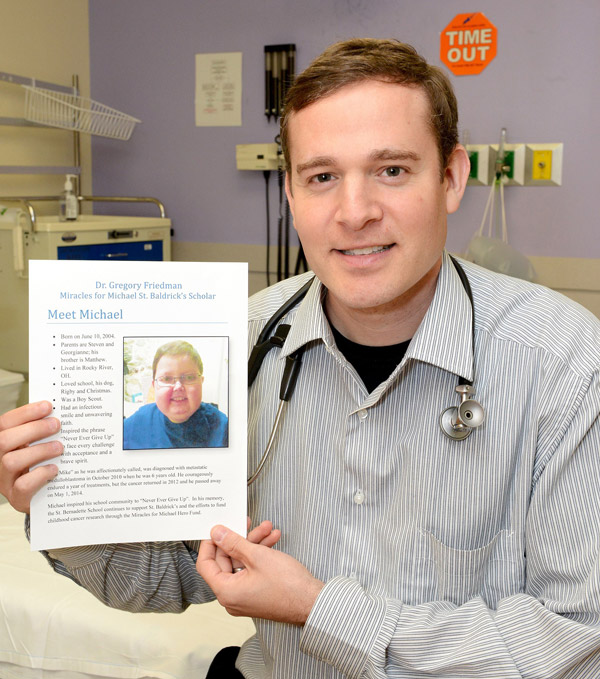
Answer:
[(456, 175)]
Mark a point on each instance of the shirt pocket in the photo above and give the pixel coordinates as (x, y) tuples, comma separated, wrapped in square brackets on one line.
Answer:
[(494, 571)]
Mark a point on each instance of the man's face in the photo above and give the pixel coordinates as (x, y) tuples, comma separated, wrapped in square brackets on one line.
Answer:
[(366, 195), (178, 402)]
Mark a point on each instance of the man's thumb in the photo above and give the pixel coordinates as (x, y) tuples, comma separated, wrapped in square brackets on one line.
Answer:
[(218, 534), (229, 541)]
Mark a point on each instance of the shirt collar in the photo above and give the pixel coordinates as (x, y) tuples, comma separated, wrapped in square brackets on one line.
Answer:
[(443, 338), (308, 321)]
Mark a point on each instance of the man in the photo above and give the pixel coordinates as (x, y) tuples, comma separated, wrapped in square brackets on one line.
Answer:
[(178, 418), (403, 552)]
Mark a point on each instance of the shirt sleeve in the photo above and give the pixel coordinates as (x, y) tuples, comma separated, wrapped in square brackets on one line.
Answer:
[(550, 630), (137, 577)]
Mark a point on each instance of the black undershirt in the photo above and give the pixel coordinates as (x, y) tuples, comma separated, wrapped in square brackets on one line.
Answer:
[(373, 364)]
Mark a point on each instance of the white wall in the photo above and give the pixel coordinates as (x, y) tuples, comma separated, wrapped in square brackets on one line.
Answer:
[(47, 40)]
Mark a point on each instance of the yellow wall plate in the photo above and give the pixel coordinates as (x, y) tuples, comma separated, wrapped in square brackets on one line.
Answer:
[(543, 164)]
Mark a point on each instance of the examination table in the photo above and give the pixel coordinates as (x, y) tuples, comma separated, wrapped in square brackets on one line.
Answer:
[(50, 628)]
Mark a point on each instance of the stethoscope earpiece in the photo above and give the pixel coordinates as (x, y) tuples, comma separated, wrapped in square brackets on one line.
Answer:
[(459, 422)]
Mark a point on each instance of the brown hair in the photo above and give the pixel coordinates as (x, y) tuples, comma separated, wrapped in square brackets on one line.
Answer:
[(177, 348), (358, 59)]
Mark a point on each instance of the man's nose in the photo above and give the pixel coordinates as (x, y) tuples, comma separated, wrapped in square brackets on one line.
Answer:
[(358, 203)]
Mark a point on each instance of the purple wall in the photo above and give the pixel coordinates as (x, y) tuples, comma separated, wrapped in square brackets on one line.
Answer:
[(542, 86)]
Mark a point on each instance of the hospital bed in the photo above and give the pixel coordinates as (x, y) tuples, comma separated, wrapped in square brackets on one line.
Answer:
[(50, 628)]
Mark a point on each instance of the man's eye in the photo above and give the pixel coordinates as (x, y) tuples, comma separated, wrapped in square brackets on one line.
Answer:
[(322, 177), (393, 171)]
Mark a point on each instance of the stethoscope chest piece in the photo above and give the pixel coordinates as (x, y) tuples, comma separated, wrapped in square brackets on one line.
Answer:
[(457, 422)]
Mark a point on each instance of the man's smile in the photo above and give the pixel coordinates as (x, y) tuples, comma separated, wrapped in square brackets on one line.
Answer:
[(367, 250)]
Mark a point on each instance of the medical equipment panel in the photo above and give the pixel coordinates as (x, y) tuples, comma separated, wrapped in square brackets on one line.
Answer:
[(100, 237)]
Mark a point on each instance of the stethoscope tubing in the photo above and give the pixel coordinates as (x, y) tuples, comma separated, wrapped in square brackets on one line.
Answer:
[(265, 455), (270, 337)]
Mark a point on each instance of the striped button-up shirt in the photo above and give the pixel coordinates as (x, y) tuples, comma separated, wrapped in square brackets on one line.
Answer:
[(441, 558)]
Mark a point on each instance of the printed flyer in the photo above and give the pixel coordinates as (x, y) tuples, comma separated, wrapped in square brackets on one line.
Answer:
[(145, 365)]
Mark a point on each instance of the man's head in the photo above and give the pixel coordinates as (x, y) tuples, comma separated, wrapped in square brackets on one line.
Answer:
[(373, 172), (360, 59), (177, 374)]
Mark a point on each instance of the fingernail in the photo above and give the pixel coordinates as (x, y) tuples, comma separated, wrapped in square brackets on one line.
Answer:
[(218, 533)]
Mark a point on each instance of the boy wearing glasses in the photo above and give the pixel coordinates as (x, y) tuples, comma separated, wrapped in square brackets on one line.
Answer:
[(178, 418)]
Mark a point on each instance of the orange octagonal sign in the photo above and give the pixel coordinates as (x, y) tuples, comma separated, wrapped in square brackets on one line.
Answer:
[(468, 43)]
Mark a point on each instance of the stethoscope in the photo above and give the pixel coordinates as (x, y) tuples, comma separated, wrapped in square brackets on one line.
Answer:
[(457, 422)]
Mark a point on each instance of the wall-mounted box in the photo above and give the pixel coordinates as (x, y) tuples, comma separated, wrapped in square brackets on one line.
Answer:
[(257, 157), (543, 164), (514, 163), (523, 164), (482, 168)]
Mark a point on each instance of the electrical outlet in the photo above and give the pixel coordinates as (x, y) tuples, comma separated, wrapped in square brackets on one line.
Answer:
[(543, 164), (257, 157)]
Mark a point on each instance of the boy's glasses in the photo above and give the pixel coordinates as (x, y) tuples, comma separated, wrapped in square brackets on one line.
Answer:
[(185, 380)]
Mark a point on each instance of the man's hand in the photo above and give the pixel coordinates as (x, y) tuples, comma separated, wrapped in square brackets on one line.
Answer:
[(263, 534), (272, 585), (18, 429)]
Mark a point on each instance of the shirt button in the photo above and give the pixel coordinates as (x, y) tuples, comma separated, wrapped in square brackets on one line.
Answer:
[(359, 497), (363, 414)]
